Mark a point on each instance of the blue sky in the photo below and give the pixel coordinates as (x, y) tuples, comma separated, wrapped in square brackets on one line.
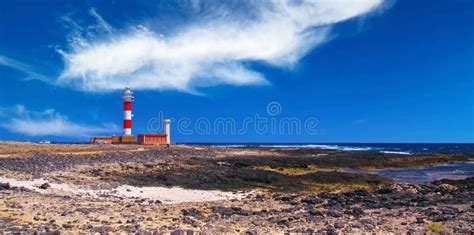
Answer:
[(322, 71)]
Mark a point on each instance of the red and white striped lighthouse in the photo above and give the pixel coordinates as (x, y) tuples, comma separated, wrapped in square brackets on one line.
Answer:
[(127, 110)]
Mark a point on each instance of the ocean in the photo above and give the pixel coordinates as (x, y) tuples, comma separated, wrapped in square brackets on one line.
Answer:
[(396, 148)]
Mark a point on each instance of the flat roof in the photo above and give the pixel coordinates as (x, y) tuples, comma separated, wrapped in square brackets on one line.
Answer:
[(153, 135)]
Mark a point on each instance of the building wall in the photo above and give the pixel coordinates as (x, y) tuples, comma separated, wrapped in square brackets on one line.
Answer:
[(126, 139), (101, 140), (151, 139)]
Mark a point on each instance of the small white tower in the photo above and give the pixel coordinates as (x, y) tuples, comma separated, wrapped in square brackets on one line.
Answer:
[(166, 129), (127, 97)]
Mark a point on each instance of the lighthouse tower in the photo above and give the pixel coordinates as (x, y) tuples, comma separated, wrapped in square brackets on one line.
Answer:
[(167, 131), (127, 110)]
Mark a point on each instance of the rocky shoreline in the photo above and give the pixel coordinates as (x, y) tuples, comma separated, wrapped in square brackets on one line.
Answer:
[(281, 191)]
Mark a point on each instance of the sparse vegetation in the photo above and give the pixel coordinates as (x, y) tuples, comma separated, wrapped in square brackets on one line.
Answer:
[(301, 170), (435, 227)]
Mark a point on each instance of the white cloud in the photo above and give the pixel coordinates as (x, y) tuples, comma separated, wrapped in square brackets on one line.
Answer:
[(25, 68), (102, 23), (209, 52), (47, 123)]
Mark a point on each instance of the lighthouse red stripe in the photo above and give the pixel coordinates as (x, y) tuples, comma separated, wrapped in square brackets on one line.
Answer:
[(127, 105), (127, 123)]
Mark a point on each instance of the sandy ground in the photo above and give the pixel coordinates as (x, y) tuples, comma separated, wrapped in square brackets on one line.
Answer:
[(24, 149), (163, 194)]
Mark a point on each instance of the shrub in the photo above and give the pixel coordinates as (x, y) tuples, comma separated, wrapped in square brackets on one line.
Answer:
[(436, 228)]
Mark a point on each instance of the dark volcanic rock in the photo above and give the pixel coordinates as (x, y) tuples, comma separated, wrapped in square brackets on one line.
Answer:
[(316, 212), (355, 211), (463, 185), (334, 213), (420, 220), (95, 172), (386, 189), (229, 211), (67, 226), (44, 186), (339, 225), (4, 186), (312, 200), (193, 212), (85, 210)]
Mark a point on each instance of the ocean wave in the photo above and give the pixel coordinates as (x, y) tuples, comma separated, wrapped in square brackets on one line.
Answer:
[(286, 146), (388, 148), (321, 146), (345, 148), (396, 152), (229, 145)]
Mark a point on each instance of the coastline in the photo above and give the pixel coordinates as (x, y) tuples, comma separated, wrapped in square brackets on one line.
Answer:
[(236, 189)]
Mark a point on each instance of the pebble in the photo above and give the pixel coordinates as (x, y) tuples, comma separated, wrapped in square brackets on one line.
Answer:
[(67, 226), (44, 186)]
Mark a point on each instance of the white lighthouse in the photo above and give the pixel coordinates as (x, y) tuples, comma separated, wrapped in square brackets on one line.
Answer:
[(127, 110), (166, 129)]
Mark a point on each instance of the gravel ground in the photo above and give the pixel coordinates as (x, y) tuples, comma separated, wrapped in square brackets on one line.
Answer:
[(292, 190)]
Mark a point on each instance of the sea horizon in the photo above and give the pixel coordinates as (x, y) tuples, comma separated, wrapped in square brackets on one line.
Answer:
[(394, 148)]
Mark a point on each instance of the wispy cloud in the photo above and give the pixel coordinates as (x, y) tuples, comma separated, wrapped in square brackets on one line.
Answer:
[(47, 123), (102, 23), (206, 52), (25, 68)]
